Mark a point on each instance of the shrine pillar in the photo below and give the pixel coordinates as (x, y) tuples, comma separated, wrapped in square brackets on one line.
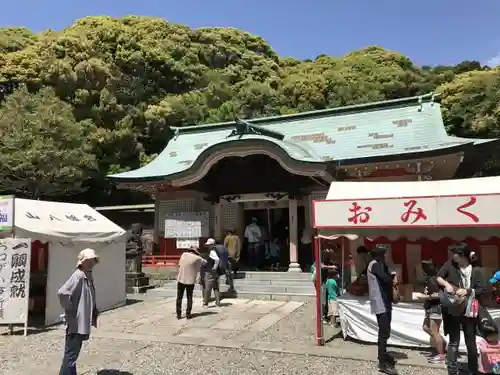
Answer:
[(293, 235), (218, 221)]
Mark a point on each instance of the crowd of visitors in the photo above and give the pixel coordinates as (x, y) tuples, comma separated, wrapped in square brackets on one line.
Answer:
[(453, 297)]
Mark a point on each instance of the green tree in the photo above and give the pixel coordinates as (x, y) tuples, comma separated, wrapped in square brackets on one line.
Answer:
[(44, 150), (128, 80), (471, 104)]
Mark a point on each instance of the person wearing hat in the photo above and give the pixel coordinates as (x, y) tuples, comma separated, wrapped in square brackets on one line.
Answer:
[(78, 299), (493, 282), (495, 278), (380, 290), (209, 275), (460, 278), (189, 265)]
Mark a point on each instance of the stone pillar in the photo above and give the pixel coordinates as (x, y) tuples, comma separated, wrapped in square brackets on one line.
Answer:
[(293, 235), (218, 221)]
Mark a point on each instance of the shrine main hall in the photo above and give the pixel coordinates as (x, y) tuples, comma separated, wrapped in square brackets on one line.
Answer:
[(272, 168)]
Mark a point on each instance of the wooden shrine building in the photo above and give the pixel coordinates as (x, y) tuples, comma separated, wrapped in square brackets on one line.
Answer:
[(272, 168)]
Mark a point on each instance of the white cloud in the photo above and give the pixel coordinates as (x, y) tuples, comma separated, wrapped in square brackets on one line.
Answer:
[(494, 61)]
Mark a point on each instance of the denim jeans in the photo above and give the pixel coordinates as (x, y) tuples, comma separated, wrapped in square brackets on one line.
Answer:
[(72, 347), (229, 274), (384, 332), (468, 325), (210, 283)]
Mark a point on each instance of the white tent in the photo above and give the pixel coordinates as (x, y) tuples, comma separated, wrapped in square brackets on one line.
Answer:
[(452, 208), (69, 228), (421, 209)]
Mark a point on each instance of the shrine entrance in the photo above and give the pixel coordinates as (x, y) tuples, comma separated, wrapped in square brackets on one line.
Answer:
[(271, 195)]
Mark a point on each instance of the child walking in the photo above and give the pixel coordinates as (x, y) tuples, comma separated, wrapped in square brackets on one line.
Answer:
[(433, 313), (332, 295), (273, 255), (489, 349)]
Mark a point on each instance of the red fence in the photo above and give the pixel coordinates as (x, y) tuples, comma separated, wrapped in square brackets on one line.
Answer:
[(160, 261)]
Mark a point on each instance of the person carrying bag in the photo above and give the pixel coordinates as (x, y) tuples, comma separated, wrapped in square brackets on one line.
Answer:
[(463, 286)]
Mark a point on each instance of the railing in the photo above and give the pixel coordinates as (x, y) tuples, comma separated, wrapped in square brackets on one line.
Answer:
[(160, 261)]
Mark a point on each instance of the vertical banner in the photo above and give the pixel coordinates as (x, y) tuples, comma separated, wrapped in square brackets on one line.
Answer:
[(15, 262), (6, 213)]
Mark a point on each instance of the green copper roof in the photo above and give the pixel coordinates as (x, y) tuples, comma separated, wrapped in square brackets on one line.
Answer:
[(347, 135)]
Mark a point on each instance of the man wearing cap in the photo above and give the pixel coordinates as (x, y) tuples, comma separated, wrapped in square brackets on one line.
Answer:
[(210, 274), (380, 284), (78, 299)]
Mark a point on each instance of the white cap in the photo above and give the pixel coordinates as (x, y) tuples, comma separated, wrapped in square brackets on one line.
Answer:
[(209, 242), (86, 254)]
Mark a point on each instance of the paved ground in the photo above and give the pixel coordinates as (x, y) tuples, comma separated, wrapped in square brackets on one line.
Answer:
[(242, 337)]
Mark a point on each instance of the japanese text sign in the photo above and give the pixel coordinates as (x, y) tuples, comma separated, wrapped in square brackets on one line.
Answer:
[(441, 211), (15, 258), (6, 213)]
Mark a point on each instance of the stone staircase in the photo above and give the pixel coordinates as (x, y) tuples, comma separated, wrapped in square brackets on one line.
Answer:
[(276, 286)]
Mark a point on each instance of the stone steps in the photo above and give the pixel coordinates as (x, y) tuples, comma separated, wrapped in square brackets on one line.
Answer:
[(280, 286)]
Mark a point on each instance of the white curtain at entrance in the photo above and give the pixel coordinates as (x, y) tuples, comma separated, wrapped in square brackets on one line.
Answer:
[(406, 328)]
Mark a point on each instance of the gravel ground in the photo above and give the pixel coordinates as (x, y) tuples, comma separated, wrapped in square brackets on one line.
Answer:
[(300, 328), (40, 354), (191, 360)]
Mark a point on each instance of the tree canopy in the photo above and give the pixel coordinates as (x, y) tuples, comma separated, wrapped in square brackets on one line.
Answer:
[(114, 87)]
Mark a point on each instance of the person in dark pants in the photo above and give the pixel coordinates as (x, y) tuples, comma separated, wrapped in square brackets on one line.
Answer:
[(77, 298), (210, 274), (190, 264), (253, 235), (461, 276), (380, 287)]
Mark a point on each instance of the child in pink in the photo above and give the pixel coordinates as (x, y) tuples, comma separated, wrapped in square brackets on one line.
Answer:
[(489, 349)]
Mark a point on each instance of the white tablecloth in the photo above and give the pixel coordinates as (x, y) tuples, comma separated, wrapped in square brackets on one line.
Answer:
[(406, 328)]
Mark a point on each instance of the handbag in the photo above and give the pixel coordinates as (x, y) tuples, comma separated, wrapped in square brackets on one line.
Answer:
[(452, 304), (472, 306)]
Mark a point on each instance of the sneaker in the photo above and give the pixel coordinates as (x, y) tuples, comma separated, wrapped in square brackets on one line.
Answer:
[(391, 360), (437, 359), (387, 369), (179, 317)]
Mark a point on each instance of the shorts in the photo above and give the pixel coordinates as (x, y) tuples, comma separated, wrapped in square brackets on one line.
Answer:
[(333, 308), (434, 313)]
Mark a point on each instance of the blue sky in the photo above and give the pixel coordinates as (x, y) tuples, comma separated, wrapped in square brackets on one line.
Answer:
[(428, 31)]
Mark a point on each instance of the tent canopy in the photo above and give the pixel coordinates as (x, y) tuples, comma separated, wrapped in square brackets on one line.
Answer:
[(65, 222), (454, 209)]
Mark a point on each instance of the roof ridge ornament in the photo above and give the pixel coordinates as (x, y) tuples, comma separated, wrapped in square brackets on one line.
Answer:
[(243, 127), (176, 133), (420, 105)]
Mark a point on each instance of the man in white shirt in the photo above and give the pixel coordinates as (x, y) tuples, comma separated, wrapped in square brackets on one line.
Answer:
[(253, 234), (210, 274)]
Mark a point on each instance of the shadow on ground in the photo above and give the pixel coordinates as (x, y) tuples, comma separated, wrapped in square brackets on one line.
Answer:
[(337, 335), (202, 313), (113, 372), (19, 331), (132, 301)]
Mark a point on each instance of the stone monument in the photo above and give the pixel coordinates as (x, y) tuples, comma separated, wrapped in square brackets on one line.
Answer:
[(136, 280)]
